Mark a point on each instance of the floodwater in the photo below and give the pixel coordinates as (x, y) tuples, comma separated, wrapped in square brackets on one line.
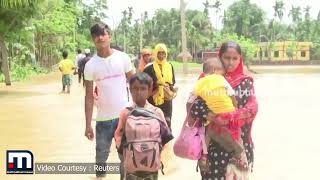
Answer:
[(35, 117)]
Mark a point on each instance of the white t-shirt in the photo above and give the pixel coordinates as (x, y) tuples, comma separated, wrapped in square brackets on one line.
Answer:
[(110, 78), (78, 58)]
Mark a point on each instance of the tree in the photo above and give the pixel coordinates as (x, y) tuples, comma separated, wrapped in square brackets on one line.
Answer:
[(295, 14), (55, 30), (14, 15), (123, 31), (165, 27), (278, 9), (241, 17), (207, 6), (291, 51), (216, 6), (247, 44), (316, 30), (307, 23), (15, 3), (199, 31), (278, 13)]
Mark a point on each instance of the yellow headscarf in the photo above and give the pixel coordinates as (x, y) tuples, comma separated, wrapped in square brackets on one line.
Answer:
[(165, 76)]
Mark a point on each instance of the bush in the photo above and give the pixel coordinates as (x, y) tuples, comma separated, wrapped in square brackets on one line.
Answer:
[(19, 72), (1, 77)]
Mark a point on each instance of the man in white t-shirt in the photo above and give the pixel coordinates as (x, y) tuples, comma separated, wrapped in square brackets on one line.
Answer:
[(108, 69)]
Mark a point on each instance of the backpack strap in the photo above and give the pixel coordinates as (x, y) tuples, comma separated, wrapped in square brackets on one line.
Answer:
[(124, 142), (162, 167), (204, 145), (130, 108), (143, 112)]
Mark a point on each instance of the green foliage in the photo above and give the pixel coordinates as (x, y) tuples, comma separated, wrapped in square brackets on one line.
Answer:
[(14, 14), (22, 63), (60, 20), (19, 72), (1, 77), (278, 9), (16, 3), (291, 50), (295, 14), (247, 45), (244, 19), (164, 27), (315, 51), (56, 28), (36, 31)]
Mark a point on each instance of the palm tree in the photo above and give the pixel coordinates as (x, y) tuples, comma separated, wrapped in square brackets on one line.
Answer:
[(295, 14), (206, 7), (278, 9), (307, 13), (307, 23), (217, 6), (125, 27), (130, 9)]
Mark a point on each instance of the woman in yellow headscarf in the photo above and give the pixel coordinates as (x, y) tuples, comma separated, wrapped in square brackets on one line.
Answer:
[(162, 73)]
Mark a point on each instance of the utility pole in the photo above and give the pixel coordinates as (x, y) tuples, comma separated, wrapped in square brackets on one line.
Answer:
[(141, 31), (124, 40), (183, 36)]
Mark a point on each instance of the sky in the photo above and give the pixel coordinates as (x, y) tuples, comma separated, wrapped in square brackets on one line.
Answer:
[(115, 8)]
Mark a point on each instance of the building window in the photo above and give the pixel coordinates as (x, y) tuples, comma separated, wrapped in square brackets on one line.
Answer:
[(303, 54), (276, 54)]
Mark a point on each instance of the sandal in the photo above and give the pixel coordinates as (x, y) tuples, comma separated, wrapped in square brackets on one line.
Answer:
[(241, 165)]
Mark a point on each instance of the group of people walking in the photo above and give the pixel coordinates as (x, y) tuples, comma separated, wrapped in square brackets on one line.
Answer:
[(142, 128)]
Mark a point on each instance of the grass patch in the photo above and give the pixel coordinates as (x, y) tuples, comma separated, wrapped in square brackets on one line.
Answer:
[(179, 65)]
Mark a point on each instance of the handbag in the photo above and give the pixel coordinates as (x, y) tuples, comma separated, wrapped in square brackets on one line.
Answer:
[(191, 142), (169, 92)]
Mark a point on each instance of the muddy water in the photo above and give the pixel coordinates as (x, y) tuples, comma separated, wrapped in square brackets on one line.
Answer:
[(34, 116)]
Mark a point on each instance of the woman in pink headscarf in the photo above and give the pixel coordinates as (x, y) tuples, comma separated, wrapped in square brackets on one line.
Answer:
[(218, 159)]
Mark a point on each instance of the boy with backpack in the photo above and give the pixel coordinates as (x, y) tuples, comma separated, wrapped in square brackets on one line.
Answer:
[(141, 133)]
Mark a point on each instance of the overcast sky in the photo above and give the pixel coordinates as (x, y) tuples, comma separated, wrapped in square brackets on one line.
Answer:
[(115, 7)]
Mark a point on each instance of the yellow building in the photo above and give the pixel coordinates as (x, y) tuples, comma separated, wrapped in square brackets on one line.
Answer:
[(278, 51)]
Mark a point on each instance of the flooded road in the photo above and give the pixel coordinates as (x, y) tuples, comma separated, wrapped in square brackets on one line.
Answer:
[(35, 117)]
